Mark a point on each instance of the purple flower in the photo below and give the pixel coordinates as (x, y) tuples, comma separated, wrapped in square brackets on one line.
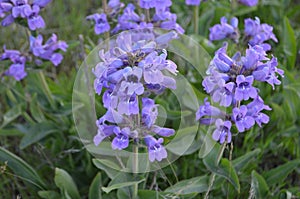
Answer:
[(121, 141), (165, 132), (5, 7), (101, 23), (193, 2), (268, 71), (244, 89), (249, 2), (20, 8), (35, 21), (103, 132), (254, 56), (162, 3), (242, 120), (254, 110), (147, 4), (222, 132), (17, 68), (222, 61), (149, 112), (128, 105), (48, 50), (8, 20), (132, 85), (155, 149), (210, 82), (168, 20), (225, 30), (152, 66), (41, 3), (128, 20), (224, 94), (207, 110), (258, 33)]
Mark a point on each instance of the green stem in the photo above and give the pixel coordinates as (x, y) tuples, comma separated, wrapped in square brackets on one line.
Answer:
[(46, 89), (213, 176), (196, 20), (135, 169)]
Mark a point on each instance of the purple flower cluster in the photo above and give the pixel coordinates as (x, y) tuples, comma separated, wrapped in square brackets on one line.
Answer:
[(128, 19), (193, 2), (17, 68), (15, 9), (255, 32), (230, 82), (249, 2), (129, 72), (47, 51), (225, 30)]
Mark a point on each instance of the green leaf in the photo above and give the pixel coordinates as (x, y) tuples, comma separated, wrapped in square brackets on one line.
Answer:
[(121, 185), (37, 132), (103, 165), (95, 188), (66, 184), (259, 187), (10, 132), (244, 10), (183, 140), (49, 194), (21, 168), (244, 160), (11, 115), (148, 194), (289, 43), (35, 110), (193, 185), (224, 169), (280, 173)]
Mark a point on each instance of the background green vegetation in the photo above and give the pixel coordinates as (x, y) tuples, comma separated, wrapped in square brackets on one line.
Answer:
[(45, 158)]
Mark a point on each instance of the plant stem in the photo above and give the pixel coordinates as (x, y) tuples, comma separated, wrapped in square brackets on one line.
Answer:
[(46, 89), (135, 168), (196, 20), (213, 176), (106, 34)]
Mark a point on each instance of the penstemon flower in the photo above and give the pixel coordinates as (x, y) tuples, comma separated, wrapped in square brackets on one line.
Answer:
[(47, 51), (39, 52), (230, 81), (101, 24), (129, 72), (129, 19), (17, 68), (193, 2), (255, 33), (225, 30), (14, 9), (249, 2)]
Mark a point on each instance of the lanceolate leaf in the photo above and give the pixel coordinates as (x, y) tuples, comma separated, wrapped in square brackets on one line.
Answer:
[(121, 185), (66, 184), (243, 161), (259, 187), (289, 42), (21, 168), (279, 173), (95, 188), (193, 185)]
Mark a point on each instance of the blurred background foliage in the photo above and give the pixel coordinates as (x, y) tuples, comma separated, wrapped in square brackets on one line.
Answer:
[(41, 155)]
